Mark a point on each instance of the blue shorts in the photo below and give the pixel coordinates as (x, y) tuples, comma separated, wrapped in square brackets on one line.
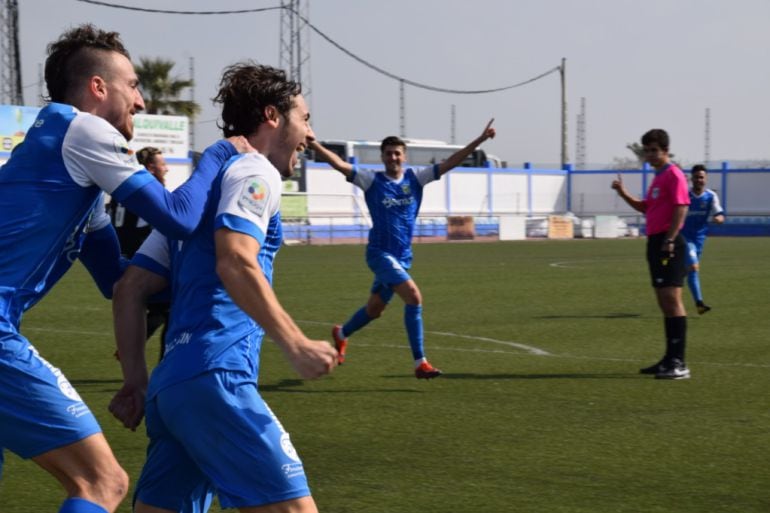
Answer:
[(213, 434), (39, 409), (388, 272), (693, 253)]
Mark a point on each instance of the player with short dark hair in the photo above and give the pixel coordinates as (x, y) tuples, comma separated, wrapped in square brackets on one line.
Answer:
[(210, 431), (704, 207), (665, 209), (394, 199), (52, 213)]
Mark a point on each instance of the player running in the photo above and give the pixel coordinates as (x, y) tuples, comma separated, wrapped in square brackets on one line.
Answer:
[(394, 199), (51, 213), (210, 431), (704, 206)]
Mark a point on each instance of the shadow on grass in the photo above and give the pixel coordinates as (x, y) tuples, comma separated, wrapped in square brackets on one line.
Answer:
[(291, 385), (616, 315), (285, 385), (541, 376)]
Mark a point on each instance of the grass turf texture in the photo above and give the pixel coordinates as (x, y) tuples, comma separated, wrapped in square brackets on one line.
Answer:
[(503, 430)]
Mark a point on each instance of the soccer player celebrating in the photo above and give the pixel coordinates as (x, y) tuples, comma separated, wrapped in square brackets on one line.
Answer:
[(394, 199), (51, 212), (665, 208), (704, 206), (210, 431)]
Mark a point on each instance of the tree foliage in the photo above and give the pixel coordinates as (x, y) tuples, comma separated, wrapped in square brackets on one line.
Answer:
[(161, 90)]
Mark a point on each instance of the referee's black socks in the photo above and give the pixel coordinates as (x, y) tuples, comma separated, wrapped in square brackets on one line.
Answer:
[(676, 335)]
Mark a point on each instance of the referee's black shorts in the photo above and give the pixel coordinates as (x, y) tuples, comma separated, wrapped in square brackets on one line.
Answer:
[(664, 271)]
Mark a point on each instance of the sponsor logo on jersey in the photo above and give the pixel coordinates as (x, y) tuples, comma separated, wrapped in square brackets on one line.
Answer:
[(397, 202), (254, 196), (655, 193)]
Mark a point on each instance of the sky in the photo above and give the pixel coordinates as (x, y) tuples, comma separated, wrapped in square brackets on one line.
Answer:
[(639, 65)]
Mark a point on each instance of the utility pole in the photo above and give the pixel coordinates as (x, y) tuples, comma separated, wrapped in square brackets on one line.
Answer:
[(580, 150), (10, 61), (294, 48), (402, 108), (563, 72), (707, 139)]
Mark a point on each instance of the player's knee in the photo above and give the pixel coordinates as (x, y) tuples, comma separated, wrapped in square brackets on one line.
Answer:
[(106, 487), (694, 268), (115, 487), (375, 311)]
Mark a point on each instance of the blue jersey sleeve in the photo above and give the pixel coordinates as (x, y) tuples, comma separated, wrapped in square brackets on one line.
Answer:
[(176, 214), (100, 254)]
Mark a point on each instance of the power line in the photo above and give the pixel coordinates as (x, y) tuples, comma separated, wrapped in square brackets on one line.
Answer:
[(341, 48), (166, 11)]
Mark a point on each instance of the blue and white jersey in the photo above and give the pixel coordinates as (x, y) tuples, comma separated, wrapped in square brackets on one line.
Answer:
[(50, 192), (393, 205), (207, 330), (703, 207)]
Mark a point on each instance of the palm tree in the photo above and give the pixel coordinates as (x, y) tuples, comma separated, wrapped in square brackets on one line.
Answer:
[(161, 91)]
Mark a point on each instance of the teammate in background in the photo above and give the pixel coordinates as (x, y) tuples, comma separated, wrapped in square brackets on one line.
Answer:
[(210, 431), (393, 199), (51, 212), (704, 205), (132, 230), (665, 209)]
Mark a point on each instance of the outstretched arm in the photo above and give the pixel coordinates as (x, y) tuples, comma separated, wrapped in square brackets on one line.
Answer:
[(332, 159), (632, 201), (459, 156), (177, 214)]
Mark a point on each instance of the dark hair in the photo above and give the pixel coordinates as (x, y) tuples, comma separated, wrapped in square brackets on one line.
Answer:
[(697, 168), (147, 154), (76, 56), (392, 140), (656, 136), (246, 89)]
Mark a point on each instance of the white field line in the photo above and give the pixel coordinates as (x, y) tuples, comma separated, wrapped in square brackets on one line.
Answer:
[(524, 349)]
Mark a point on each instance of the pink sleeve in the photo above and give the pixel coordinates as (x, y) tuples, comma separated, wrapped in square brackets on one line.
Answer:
[(681, 193)]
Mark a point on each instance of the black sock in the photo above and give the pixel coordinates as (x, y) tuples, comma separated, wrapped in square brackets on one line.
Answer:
[(676, 336)]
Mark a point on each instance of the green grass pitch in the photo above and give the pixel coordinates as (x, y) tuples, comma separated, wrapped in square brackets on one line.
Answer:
[(540, 409)]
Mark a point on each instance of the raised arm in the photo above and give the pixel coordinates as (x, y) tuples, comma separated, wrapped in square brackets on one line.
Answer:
[(632, 201), (459, 156), (331, 158), (245, 281)]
